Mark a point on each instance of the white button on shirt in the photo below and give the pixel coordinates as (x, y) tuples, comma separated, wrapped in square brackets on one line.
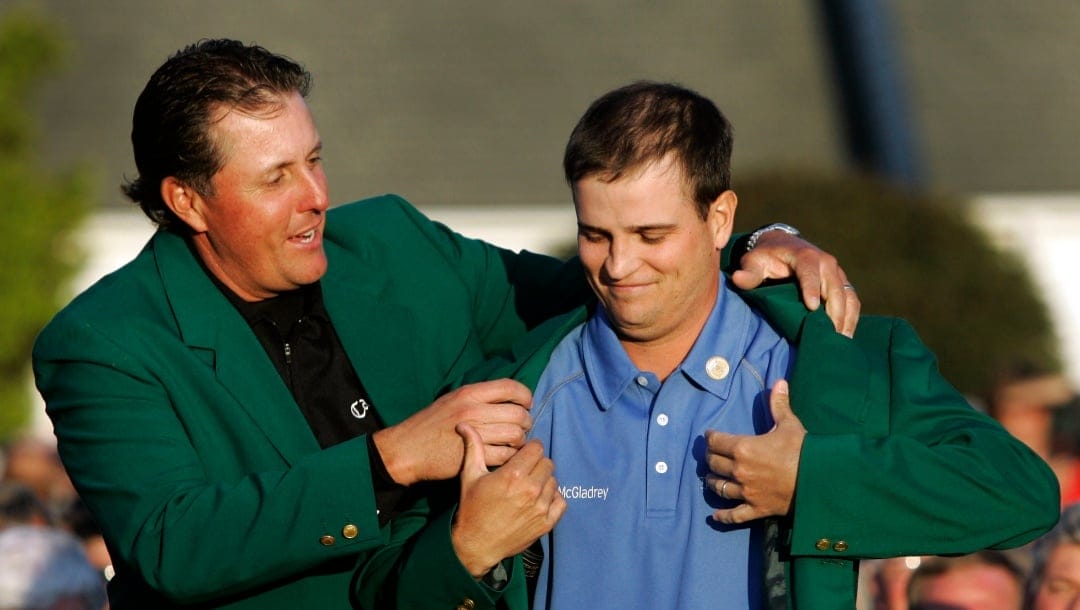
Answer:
[(662, 419), (661, 467)]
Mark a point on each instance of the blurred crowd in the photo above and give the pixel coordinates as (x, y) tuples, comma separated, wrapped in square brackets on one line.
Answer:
[(52, 555)]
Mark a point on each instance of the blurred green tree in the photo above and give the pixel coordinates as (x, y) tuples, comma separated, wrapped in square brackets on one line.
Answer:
[(41, 209), (920, 257)]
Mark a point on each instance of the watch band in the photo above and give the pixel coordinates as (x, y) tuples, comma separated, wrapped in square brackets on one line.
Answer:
[(776, 226)]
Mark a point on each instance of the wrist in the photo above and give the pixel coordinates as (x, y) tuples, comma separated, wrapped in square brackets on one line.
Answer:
[(756, 236), (397, 465), (471, 557)]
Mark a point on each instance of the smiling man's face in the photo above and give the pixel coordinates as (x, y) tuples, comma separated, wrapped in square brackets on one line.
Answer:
[(651, 258), (260, 230)]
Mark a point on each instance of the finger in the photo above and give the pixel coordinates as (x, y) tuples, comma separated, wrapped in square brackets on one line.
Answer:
[(810, 283), (501, 391), (851, 313), (780, 402), (760, 265), (498, 455), (526, 460), (836, 305), (734, 516), (724, 487), (473, 465), (558, 504), (720, 443), (542, 468), (504, 434), (748, 278)]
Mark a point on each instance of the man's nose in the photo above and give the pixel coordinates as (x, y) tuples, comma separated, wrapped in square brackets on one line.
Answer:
[(621, 259), (317, 198)]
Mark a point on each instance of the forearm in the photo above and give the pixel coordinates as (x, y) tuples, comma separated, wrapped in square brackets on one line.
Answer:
[(896, 495)]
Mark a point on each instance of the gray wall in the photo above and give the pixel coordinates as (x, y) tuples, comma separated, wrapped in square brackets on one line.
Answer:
[(470, 102)]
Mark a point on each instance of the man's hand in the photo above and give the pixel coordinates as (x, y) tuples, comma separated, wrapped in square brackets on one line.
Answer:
[(777, 255), (759, 471), (426, 447), (502, 512)]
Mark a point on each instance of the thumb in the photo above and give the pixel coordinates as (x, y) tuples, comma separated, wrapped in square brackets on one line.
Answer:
[(473, 465), (748, 277), (780, 402)]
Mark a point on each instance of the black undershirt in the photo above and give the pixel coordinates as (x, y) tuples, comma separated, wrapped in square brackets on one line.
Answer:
[(299, 337)]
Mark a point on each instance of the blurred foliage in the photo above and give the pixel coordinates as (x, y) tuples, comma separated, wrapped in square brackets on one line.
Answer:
[(919, 257), (40, 213)]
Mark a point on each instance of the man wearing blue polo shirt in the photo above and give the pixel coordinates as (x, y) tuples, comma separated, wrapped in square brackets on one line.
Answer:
[(626, 396), (644, 405)]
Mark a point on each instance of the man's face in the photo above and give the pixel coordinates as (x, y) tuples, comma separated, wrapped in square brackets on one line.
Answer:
[(652, 260), (1060, 587), (976, 587), (260, 232)]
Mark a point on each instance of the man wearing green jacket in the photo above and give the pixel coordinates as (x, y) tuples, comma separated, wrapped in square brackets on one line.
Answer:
[(688, 483), (255, 404)]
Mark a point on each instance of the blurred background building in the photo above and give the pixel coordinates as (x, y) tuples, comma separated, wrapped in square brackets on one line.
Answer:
[(464, 107)]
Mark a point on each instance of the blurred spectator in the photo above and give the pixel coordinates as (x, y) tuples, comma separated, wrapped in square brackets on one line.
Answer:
[(985, 580), (884, 582), (1055, 574), (1043, 411), (35, 463), (78, 520), (42, 568), (19, 505)]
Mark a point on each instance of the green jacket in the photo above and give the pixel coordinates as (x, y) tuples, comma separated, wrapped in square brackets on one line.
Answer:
[(895, 462), (190, 451)]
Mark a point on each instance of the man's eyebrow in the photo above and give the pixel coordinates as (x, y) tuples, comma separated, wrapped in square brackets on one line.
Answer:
[(282, 165), (635, 228)]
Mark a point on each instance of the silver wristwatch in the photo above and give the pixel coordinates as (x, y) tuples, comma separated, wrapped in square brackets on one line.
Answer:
[(776, 226)]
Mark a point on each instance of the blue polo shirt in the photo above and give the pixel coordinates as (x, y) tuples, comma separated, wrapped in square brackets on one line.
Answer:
[(629, 458)]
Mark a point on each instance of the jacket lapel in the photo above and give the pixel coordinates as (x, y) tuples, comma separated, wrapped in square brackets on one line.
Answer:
[(212, 327), (831, 378), (368, 324)]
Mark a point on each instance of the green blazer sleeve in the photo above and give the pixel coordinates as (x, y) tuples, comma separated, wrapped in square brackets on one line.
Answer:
[(936, 476), (430, 576), (895, 461)]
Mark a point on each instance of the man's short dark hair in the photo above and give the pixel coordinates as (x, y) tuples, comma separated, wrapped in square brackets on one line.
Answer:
[(170, 132), (645, 122)]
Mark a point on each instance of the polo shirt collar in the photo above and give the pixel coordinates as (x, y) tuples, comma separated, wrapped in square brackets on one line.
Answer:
[(710, 364)]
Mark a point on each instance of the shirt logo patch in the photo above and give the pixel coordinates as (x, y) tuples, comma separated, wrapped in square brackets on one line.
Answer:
[(359, 409)]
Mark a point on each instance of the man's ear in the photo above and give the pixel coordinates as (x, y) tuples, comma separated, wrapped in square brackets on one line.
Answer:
[(722, 217), (185, 202)]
